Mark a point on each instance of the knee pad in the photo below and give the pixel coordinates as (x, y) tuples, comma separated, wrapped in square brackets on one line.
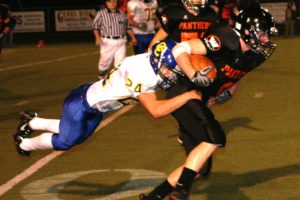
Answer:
[(216, 133)]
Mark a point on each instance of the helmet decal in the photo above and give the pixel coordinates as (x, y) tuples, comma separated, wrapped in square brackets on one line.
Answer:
[(213, 42)]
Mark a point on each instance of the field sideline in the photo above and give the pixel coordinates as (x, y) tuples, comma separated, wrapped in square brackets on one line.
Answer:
[(134, 152)]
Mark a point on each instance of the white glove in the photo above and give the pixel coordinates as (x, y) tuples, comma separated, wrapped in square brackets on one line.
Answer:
[(200, 78)]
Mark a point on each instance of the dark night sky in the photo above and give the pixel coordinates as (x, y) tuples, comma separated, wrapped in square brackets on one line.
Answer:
[(20, 4)]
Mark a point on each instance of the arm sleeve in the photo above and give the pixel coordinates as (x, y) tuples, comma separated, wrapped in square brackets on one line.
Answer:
[(97, 21), (250, 60), (219, 39)]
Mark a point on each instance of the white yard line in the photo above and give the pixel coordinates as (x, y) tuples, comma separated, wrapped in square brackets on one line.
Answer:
[(43, 161), (46, 61)]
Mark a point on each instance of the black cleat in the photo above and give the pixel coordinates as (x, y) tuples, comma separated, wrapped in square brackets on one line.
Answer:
[(25, 118), (176, 195), (23, 131), (18, 139)]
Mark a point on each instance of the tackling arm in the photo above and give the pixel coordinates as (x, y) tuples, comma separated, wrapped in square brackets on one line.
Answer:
[(160, 108)]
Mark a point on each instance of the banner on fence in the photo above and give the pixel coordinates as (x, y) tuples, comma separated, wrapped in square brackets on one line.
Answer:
[(74, 20), (29, 21)]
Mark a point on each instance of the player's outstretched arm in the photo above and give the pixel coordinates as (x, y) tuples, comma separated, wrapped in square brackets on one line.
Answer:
[(160, 108)]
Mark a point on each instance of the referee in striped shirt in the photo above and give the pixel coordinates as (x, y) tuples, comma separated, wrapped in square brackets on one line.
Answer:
[(109, 27)]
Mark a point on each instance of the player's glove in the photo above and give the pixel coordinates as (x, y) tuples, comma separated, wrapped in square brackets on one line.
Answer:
[(1, 35), (223, 97), (200, 78)]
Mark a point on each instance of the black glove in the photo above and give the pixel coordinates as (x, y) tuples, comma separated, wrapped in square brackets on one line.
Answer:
[(223, 97), (200, 78)]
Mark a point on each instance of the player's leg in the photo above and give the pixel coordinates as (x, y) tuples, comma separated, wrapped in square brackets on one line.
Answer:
[(138, 47), (78, 120), (191, 129), (49, 125), (143, 41), (147, 42), (200, 124), (189, 142), (183, 177), (77, 123), (215, 137)]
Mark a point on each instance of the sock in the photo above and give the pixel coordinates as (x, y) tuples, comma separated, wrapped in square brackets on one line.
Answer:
[(51, 125), (161, 191), (185, 180), (41, 142)]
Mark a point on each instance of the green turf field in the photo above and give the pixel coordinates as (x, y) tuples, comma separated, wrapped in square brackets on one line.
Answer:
[(134, 152)]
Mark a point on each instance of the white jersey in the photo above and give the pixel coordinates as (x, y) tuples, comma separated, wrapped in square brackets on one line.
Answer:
[(143, 12), (123, 84)]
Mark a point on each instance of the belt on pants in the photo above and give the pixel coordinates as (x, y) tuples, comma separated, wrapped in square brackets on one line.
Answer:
[(114, 37)]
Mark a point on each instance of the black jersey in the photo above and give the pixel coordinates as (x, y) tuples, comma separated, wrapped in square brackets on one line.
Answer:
[(223, 48), (182, 25)]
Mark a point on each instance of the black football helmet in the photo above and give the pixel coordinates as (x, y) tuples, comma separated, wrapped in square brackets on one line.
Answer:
[(195, 5), (250, 22)]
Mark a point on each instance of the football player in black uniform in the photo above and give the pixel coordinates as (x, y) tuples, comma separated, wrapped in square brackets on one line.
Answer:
[(181, 22), (185, 21), (235, 52)]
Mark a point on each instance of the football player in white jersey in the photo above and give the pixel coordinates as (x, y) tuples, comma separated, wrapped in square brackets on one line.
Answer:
[(141, 17), (133, 81)]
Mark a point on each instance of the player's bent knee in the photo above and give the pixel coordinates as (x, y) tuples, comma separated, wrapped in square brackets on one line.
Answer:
[(61, 144), (216, 133)]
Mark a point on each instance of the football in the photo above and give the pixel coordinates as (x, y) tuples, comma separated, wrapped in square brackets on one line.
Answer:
[(200, 62)]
